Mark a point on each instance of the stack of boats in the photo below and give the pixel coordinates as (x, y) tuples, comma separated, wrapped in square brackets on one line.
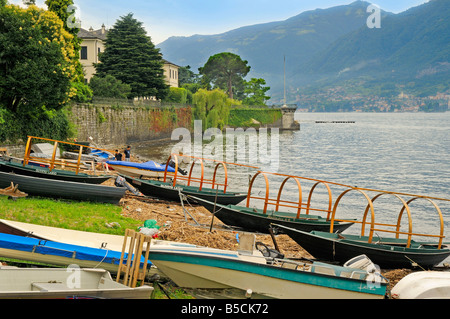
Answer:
[(344, 265)]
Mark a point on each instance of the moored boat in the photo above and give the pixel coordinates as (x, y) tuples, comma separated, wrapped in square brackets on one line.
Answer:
[(166, 190), (204, 268), (388, 253), (45, 187), (253, 219), (45, 172), (389, 245), (148, 169)]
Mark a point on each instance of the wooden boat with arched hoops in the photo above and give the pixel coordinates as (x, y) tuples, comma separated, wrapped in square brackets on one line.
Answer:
[(387, 252), (171, 189), (70, 171), (260, 219)]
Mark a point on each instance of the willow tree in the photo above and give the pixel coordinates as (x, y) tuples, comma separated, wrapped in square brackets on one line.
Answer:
[(212, 108), (131, 57), (226, 71)]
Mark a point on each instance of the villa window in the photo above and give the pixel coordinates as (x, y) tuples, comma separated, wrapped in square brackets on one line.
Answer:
[(84, 53)]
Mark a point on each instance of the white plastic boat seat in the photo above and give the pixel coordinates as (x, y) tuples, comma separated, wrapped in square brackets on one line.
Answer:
[(354, 274), (48, 286), (328, 269), (323, 269)]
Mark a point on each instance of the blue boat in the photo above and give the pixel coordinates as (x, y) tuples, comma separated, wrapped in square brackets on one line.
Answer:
[(148, 169), (59, 254)]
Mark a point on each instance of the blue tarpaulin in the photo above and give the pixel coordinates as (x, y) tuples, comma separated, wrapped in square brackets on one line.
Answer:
[(44, 247), (150, 165)]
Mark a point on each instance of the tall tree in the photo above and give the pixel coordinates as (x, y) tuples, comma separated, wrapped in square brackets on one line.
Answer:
[(131, 57), (36, 60), (255, 92), (225, 70)]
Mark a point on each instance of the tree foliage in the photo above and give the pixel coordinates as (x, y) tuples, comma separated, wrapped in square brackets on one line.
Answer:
[(212, 107), (255, 92), (36, 60), (131, 57), (178, 95), (226, 71), (65, 10), (109, 87)]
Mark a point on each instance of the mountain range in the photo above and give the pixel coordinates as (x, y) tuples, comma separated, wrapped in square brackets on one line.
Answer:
[(335, 46)]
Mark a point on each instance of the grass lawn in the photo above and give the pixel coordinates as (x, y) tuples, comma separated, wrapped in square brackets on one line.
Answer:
[(85, 216)]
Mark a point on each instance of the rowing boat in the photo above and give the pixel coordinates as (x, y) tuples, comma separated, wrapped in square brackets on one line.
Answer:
[(253, 219), (387, 252), (45, 172), (45, 187), (166, 190)]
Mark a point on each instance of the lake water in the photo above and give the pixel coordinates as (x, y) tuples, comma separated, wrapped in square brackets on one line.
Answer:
[(401, 152)]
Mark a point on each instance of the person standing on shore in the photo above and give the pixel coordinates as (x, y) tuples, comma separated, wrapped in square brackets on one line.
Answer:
[(118, 156), (127, 153)]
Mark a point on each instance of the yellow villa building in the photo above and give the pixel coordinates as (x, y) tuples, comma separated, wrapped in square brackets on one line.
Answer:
[(93, 44)]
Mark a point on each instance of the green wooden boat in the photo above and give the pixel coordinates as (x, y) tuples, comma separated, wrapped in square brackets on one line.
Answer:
[(8, 166)]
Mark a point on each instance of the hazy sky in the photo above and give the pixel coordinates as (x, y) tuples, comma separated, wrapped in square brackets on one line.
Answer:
[(166, 18)]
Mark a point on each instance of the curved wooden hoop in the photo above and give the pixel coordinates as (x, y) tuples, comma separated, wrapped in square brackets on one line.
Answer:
[(266, 201)]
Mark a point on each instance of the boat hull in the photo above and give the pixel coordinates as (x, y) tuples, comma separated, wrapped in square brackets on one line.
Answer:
[(61, 235), (244, 218), (329, 247), (136, 172), (44, 172), (70, 283), (199, 271), (423, 285), (59, 254), (169, 192), (45, 187)]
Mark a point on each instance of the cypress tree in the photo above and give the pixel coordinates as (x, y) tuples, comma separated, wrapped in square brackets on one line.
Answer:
[(131, 57)]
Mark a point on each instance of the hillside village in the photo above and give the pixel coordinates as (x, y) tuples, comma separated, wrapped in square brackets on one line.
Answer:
[(338, 99)]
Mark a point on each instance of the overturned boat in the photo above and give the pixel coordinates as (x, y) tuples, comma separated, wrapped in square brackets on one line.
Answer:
[(60, 254)]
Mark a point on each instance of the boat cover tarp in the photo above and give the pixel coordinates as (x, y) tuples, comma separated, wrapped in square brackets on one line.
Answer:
[(150, 166), (44, 247), (101, 154)]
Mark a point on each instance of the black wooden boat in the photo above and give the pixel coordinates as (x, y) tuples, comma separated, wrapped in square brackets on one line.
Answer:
[(388, 253), (56, 174), (166, 190), (252, 219), (36, 186)]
